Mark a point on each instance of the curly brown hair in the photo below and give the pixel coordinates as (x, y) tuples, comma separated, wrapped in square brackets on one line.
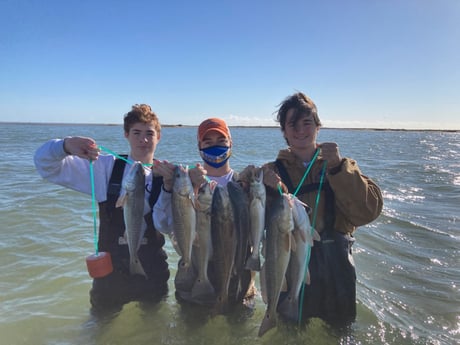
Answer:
[(141, 113)]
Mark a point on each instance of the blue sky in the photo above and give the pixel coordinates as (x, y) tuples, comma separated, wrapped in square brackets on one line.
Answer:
[(366, 63)]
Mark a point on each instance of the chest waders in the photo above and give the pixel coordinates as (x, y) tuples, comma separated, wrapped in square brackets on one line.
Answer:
[(331, 294), (121, 287)]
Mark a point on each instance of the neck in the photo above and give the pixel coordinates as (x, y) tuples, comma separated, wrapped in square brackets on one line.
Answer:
[(146, 159), (217, 172), (304, 154)]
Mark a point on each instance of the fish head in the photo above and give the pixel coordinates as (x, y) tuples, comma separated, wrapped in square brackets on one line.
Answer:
[(300, 213), (286, 217), (182, 183), (135, 177)]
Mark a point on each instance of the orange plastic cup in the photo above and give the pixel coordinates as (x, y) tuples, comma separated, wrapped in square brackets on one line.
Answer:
[(99, 265)]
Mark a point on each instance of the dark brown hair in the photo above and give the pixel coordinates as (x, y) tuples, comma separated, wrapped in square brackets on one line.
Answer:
[(302, 106)]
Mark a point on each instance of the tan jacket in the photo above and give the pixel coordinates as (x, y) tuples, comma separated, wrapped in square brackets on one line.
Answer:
[(358, 200)]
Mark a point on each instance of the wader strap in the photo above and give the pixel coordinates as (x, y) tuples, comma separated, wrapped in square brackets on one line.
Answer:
[(157, 182), (284, 176), (329, 198), (113, 190)]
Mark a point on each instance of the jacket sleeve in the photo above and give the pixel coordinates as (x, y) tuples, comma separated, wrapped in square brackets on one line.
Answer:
[(162, 213), (357, 197), (54, 165)]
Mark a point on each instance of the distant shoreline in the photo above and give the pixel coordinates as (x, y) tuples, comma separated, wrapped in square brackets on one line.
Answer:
[(237, 126)]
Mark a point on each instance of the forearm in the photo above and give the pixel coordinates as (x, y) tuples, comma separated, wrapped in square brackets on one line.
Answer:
[(356, 196), (162, 213)]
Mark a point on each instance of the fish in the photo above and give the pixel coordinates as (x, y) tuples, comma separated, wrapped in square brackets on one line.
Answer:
[(257, 199), (297, 272), (240, 276), (224, 243), (278, 244), (184, 225), (132, 199), (202, 288)]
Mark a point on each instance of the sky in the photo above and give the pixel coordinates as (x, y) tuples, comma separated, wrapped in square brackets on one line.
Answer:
[(365, 63)]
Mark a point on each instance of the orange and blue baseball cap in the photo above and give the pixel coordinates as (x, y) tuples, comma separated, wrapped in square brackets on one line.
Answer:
[(213, 124)]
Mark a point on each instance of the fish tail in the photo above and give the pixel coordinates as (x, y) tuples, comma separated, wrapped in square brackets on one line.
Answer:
[(202, 288), (289, 308), (267, 324), (135, 267), (253, 263)]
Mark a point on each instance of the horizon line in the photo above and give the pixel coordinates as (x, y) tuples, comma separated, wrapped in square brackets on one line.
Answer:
[(232, 126)]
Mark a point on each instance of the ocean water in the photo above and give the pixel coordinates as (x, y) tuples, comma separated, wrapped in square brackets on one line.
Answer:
[(407, 260)]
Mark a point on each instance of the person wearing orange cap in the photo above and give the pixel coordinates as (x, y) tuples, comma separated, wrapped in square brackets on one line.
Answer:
[(215, 148)]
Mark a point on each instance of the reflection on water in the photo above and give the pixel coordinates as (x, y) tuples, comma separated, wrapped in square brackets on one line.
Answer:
[(407, 260)]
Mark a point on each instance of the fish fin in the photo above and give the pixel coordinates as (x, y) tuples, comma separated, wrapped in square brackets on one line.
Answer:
[(316, 236), (289, 308), (203, 290), (303, 236), (284, 285), (263, 284), (253, 263), (307, 277), (288, 240), (293, 242), (121, 200)]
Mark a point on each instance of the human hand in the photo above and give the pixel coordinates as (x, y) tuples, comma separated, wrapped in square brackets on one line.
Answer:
[(166, 170), (330, 153), (197, 175), (82, 147), (271, 178)]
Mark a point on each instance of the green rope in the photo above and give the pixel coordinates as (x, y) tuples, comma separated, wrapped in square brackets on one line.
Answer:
[(93, 200), (312, 229), (306, 172)]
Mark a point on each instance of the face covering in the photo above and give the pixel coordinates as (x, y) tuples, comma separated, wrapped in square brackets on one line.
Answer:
[(216, 156)]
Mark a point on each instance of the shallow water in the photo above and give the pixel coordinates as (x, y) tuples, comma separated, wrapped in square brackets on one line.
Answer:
[(407, 260)]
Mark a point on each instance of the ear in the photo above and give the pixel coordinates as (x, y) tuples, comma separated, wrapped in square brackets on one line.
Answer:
[(126, 135)]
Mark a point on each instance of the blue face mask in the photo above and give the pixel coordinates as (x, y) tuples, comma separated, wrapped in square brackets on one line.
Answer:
[(216, 156)]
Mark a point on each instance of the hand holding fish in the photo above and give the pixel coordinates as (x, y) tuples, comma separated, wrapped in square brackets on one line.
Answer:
[(165, 169), (272, 179), (197, 175), (330, 153), (82, 147)]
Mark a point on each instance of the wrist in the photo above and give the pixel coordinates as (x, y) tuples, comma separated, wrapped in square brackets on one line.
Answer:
[(165, 189), (335, 169)]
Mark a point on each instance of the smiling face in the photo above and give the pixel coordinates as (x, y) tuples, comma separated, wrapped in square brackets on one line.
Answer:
[(143, 139), (300, 131)]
